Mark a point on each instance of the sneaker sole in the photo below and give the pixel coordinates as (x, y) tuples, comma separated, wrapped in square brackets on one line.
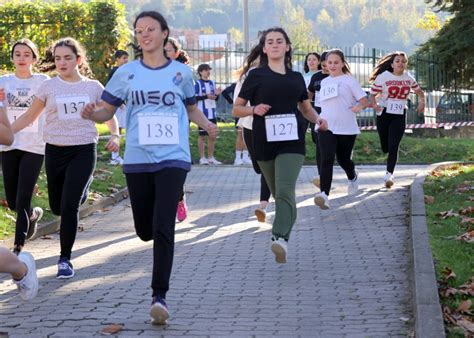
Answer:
[(31, 269), (317, 182), (280, 253), (388, 184), (261, 215), (319, 201), (158, 315), (66, 277)]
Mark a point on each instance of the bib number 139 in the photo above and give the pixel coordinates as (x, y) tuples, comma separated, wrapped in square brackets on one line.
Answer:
[(158, 129), (281, 127)]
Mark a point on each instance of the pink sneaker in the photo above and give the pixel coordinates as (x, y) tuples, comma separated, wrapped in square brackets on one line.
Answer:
[(182, 212)]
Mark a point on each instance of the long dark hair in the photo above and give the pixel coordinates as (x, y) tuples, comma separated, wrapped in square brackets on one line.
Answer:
[(385, 63), (48, 64), (305, 66), (257, 51), (346, 68), (183, 57), (163, 24), (324, 56)]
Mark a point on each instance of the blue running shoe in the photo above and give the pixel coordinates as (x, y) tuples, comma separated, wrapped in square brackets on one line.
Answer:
[(65, 270), (159, 311)]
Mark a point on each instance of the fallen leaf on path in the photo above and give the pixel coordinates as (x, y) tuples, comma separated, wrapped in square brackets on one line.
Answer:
[(46, 237), (111, 329), (467, 220), (465, 307), (429, 199), (468, 288), (113, 190), (448, 292), (467, 325), (466, 211), (464, 187), (468, 237), (80, 228), (448, 273), (446, 214)]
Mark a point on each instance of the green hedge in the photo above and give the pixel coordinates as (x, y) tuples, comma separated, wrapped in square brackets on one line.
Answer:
[(100, 25)]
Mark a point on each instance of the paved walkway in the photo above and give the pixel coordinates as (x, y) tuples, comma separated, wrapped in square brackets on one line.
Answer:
[(347, 273)]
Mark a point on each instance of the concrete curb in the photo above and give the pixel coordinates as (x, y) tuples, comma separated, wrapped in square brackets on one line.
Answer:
[(426, 305), (53, 226)]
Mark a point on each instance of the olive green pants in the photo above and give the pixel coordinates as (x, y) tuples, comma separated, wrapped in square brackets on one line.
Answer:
[(281, 175)]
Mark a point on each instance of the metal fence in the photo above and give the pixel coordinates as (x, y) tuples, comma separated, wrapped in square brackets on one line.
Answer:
[(442, 105)]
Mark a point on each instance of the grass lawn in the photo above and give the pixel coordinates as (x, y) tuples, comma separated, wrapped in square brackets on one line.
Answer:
[(449, 194)]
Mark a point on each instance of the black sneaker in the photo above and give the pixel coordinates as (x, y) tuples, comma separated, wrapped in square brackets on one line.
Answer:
[(35, 217)]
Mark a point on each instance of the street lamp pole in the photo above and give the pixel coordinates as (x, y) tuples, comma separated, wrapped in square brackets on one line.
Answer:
[(246, 25)]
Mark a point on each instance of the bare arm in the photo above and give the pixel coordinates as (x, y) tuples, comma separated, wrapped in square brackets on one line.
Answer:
[(311, 115), (6, 134), (373, 103), (242, 110), (29, 116), (421, 101), (98, 113), (363, 103), (198, 117)]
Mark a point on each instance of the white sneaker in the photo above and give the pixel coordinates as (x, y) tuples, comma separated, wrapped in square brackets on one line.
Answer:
[(246, 159), (212, 160), (238, 161), (203, 161), (388, 179), (28, 286), (118, 160), (316, 181), (353, 186), (322, 200), (280, 249)]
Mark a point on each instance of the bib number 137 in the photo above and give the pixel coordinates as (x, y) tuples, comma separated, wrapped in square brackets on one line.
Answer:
[(158, 129), (281, 127)]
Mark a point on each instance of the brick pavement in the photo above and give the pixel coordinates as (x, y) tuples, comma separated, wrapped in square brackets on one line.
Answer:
[(347, 272)]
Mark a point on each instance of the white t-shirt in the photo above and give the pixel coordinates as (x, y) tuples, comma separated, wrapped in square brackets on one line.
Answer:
[(247, 121), (336, 107), (19, 95), (64, 102), (393, 88)]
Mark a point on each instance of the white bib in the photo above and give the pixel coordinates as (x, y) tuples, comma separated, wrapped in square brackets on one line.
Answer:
[(395, 107), (209, 104), (158, 129), (15, 112), (70, 107), (328, 92), (281, 127)]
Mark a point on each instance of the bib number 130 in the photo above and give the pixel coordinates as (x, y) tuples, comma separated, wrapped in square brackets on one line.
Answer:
[(158, 129), (281, 127)]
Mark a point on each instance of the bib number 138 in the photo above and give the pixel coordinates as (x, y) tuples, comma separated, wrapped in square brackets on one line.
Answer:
[(158, 129), (281, 127)]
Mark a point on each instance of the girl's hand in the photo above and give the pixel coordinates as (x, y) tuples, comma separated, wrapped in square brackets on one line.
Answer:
[(323, 124), (87, 111), (356, 109), (378, 108), (261, 109), (113, 144), (421, 108), (212, 129)]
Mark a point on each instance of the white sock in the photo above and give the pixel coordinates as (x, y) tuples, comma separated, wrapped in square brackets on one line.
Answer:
[(245, 153), (238, 154), (114, 155)]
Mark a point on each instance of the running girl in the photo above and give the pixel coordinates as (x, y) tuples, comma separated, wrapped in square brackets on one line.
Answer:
[(311, 66), (71, 141), (159, 94), (341, 97), (279, 103), (22, 161), (391, 86)]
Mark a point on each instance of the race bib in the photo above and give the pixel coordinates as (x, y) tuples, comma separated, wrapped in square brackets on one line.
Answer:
[(70, 107), (317, 99), (281, 127), (395, 107), (158, 129), (15, 112), (328, 92), (209, 104)]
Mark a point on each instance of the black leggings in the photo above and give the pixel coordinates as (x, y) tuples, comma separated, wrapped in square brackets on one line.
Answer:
[(339, 146), (68, 170), (20, 173), (391, 128), (314, 136), (154, 198), (264, 189)]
